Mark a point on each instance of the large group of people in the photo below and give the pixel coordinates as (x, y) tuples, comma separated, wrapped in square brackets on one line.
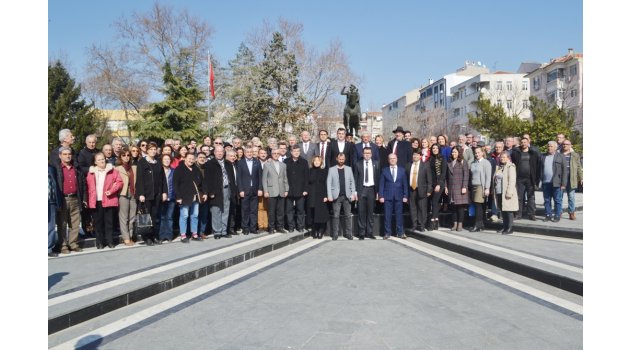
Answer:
[(218, 188)]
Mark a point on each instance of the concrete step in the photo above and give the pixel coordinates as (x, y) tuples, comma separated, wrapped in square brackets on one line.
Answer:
[(554, 261), (116, 278)]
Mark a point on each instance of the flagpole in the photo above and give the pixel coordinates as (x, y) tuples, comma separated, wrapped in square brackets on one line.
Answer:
[(209, 101)]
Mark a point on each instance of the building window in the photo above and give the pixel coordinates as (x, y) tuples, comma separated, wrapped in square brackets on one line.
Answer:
[(573, 70), (499, 85), (499, 102), (525, 104), (525, 84), (553, 75), (574, 93), (551, 98), (456, 112), (429, 92), (537, 83), (395, 104), (509, 104), (508, 86)]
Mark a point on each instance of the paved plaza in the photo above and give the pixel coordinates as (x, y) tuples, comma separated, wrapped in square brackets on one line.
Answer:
[(438, 290)]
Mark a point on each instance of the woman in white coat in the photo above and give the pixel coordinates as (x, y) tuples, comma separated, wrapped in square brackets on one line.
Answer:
[(504, 184)]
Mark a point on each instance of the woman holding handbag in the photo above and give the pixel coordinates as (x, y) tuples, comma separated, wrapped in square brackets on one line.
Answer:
[(151, 191), (187, 182), (103, 184), (126, 198)]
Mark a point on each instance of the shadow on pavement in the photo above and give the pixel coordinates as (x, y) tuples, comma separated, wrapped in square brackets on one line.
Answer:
[(90, 342), (55, 278)]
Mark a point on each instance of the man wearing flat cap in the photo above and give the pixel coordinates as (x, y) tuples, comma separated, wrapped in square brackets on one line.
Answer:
[(400, 147)]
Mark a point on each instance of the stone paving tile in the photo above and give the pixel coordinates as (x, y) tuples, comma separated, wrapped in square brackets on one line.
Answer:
[(342, 293)]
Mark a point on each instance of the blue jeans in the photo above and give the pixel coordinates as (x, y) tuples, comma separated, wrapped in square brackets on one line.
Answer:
[(571, 195), (220, 215), (52, 232), (166, 220), (550, 192), (191, 210)]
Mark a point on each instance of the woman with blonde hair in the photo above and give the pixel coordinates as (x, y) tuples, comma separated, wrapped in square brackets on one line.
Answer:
[(504, 184)]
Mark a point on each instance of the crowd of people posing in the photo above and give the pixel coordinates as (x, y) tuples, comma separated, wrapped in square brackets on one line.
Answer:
[(219, 189)]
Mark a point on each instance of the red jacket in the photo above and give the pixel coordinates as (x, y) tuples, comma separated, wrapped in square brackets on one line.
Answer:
[(113, 184)]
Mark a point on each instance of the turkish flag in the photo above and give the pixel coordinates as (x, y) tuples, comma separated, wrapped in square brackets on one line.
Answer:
[(210, 77)]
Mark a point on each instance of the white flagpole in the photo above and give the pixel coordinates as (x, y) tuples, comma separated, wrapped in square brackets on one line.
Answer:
[(209, 97)]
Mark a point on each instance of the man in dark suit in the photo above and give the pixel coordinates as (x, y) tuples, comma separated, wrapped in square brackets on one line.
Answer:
[(420, 181), (393, 192), (249, 174), (297, 174), (366, 176), (400, 147), (323, 149), (308, 149), (342, 146), (366, 141)]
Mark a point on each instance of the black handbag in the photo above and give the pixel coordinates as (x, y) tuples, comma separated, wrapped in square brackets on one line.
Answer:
[(143, 224)]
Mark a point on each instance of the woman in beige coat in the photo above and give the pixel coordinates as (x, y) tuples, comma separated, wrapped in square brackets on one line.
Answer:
[(126, 197), (504, 184)]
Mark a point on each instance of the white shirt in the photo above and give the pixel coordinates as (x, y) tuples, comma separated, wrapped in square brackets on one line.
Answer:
[(370, 172), (341, 146), (305, 146)]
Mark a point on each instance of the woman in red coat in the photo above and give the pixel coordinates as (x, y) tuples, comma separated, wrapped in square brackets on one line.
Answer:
[(103, 184)]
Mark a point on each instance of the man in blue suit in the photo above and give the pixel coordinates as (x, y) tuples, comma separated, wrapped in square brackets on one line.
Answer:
[(249, 174), (366, 141), (393, 192)]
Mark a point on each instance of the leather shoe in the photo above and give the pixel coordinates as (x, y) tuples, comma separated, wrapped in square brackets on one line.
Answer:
[(149, 242), (547, 218), (111, 246), (271, 231), (572, 216), (281, 230), (371, 237), (203, 236), (361, 238), (98, 246), (476, 229), (216, 236), (386, 237), (507, 232), (254, 232), (185, 240), (157, 241), (77, 249), (53, 255), (227, 236)]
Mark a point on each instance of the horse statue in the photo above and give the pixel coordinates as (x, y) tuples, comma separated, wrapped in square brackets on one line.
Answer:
[(352, 111)]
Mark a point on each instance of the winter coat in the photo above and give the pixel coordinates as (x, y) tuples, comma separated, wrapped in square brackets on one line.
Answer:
[(297, 176), (559, 166), (81, 190), (150, 179), (187, 184), (317, 191), (86, 159), (213, 182), (508, 187), (534, 164), (113, 184), (576, 173), (456, 179), (125, 178)]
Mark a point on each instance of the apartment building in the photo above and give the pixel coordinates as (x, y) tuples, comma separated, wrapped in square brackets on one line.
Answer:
[(509, 90), (560, 82)]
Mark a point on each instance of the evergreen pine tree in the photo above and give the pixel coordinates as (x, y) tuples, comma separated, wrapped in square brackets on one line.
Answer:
[(66, 108)]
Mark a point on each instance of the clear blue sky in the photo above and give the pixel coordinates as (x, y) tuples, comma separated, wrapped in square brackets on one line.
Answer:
[(394, 46)]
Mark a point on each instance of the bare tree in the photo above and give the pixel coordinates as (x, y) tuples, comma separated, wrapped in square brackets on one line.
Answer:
[(322, 75)]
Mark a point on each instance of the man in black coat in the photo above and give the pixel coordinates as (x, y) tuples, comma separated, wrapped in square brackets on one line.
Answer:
[(249, 174), (219, 185), (341, 145), (420, 186), (366, 176), (323, 149), (297, 175), (400, 147), (187, 185), (527, 162), (366, 141)]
